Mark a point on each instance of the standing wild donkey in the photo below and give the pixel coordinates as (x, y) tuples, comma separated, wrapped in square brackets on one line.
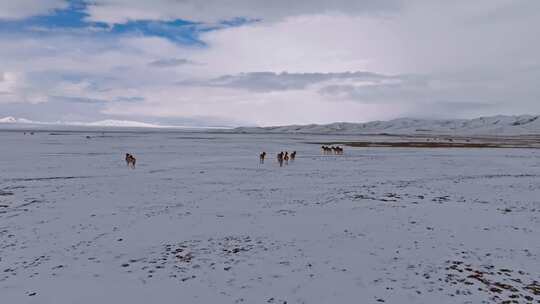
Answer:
[(130, 161), (293, 155), (280, 158)]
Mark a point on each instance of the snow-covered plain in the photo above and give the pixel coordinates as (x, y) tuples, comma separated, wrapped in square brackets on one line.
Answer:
[(201, 221)]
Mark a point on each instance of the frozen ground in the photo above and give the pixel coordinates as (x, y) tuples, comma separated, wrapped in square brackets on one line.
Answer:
[(201, 221)]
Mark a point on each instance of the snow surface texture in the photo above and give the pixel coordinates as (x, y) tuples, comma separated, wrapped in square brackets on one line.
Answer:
[(201, 221), (495, 125)]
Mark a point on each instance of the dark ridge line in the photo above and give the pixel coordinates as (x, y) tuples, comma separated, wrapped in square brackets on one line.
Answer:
[(427, 145), (31, 179)]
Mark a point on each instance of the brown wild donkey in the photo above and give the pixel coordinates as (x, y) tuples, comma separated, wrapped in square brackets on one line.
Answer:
[(286, 158), (130, 160), (280, 158)]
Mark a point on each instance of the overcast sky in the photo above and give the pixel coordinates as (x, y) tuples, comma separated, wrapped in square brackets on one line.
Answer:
[(259, 62)]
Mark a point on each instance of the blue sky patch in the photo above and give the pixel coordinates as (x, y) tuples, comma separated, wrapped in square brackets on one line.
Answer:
[(72, 20)]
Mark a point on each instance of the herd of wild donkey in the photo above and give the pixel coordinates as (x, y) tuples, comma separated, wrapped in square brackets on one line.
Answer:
[(282, 157)]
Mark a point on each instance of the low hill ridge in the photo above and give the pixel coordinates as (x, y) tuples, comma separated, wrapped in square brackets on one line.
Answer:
[(493, 125)]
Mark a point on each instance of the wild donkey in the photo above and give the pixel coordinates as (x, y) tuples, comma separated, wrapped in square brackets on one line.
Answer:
[(130, 160)]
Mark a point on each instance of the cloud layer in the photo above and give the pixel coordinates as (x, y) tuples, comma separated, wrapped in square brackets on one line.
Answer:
[(26, 8), (301, 62), (211, 11)]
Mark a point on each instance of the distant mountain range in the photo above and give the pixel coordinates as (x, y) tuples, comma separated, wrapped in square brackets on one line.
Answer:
[(102, 123), (494, 125)]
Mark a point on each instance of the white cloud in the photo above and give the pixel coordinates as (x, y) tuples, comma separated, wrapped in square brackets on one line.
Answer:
[(425, 37), (210, 11), (240, 106), (8, 82), (428, 58), (14, 87), (19, 9), (269, 81)]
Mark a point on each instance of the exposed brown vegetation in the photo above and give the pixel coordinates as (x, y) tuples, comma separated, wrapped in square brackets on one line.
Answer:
[(437, 144)]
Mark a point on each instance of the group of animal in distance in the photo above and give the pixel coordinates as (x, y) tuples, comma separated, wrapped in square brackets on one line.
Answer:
[(332, 150), (285, 157), (282, 157)]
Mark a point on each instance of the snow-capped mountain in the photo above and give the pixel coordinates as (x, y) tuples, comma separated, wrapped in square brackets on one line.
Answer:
[(494, 125), (102, 123), (122, 123), (12, 120)]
